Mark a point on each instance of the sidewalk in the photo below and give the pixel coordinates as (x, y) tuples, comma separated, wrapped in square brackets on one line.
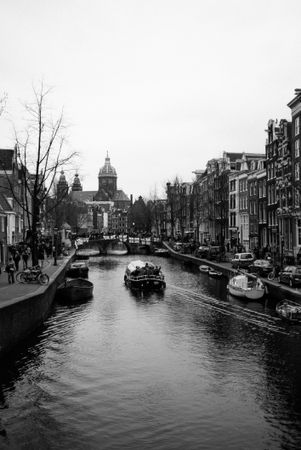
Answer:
[(17, 290)]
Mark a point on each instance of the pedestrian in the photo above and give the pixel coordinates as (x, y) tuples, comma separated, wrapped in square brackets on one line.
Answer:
[(25, 256), (41, 255), (48, 249), (10, 269), (17, 258)]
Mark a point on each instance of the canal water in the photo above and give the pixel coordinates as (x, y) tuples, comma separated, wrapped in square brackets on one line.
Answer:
[(189, 368)]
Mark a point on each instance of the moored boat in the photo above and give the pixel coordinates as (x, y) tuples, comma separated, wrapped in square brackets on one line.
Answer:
[(244, 287), (78, 269), (203, 268), (215, 273), (161, 252), (144, 275), (289, 310), (85, 253), (75, 290)]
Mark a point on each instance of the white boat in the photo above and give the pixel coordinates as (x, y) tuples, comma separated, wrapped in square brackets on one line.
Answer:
[(117, 248), (244, 287), (289, 310), (144, 276), (203, 268)]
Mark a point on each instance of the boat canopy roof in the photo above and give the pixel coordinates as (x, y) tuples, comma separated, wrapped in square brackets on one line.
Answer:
[(138, 264)]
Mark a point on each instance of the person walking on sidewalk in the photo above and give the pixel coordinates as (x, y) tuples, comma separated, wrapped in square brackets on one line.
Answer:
[(41, 254), (25, 255), (10, 269), (17, 258)]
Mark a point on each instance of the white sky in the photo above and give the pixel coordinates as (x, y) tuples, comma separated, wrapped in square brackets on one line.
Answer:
[(162, 85)]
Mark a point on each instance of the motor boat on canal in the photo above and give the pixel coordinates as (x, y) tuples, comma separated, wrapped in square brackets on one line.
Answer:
[(289, 311), (144, 276), (75, 290), (245, 287), (161, 252), (204, 268), (78, 269)]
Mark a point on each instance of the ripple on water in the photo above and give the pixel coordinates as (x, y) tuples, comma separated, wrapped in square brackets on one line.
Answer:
[(189, 368)]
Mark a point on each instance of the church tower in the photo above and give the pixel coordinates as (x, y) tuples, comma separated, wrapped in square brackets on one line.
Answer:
[(76, 186), (107, 181), (62, 186)]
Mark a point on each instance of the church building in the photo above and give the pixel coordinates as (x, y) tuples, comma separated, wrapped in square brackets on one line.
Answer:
[(107, 207)]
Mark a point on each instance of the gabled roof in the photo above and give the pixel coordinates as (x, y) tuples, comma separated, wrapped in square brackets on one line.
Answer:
[(89, 196), (120, 196), (82, 196)]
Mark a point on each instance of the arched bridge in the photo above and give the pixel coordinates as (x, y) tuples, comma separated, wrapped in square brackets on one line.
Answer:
[(99, 246)]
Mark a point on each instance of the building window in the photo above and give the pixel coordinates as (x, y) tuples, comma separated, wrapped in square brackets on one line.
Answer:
[(232, 220), (297, 198), (299, 232), (232, 185), (297, 148), (297, 125), (297, 172)]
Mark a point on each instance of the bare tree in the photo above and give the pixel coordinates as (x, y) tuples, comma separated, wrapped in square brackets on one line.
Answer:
[(3, 99), (40, 155)]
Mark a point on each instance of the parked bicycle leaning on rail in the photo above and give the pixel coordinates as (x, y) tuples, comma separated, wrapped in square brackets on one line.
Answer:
[(274, 274), (32, 274)]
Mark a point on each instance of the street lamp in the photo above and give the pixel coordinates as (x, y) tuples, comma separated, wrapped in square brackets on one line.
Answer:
[(54, 247)]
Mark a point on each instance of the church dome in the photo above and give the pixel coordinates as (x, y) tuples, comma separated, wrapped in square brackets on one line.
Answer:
[(107, 170)]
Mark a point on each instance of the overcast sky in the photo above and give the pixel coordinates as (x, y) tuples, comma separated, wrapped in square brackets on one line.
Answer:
[(162, 85)]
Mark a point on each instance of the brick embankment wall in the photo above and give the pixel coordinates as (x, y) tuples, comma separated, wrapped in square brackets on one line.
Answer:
[(20, 315)]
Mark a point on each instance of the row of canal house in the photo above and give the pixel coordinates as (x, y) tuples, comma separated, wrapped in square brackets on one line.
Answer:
[(13, 220), (245, 200)]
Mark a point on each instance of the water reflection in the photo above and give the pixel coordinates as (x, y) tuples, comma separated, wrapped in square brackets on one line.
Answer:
[(188, 367)]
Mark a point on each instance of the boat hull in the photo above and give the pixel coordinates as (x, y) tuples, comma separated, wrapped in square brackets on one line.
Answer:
[(75, 290), (142, 275), (214, 274), (117, 252), (161, 252), (240, 286), (145, 284), (289, 311), (78, 270)]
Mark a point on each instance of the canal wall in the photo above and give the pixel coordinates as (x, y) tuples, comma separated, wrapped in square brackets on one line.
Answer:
[(21, 315), (275, 290)]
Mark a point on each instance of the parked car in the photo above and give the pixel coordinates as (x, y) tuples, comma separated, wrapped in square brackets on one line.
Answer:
[(261, 267), (291, 275), (242, 260), (203, 251)]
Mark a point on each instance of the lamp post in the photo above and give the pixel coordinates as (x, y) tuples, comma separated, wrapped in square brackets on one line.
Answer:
[(282, 252), (54, 247)]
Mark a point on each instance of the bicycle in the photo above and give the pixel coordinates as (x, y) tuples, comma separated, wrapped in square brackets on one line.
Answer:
[(274, 274), (32, 274)]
